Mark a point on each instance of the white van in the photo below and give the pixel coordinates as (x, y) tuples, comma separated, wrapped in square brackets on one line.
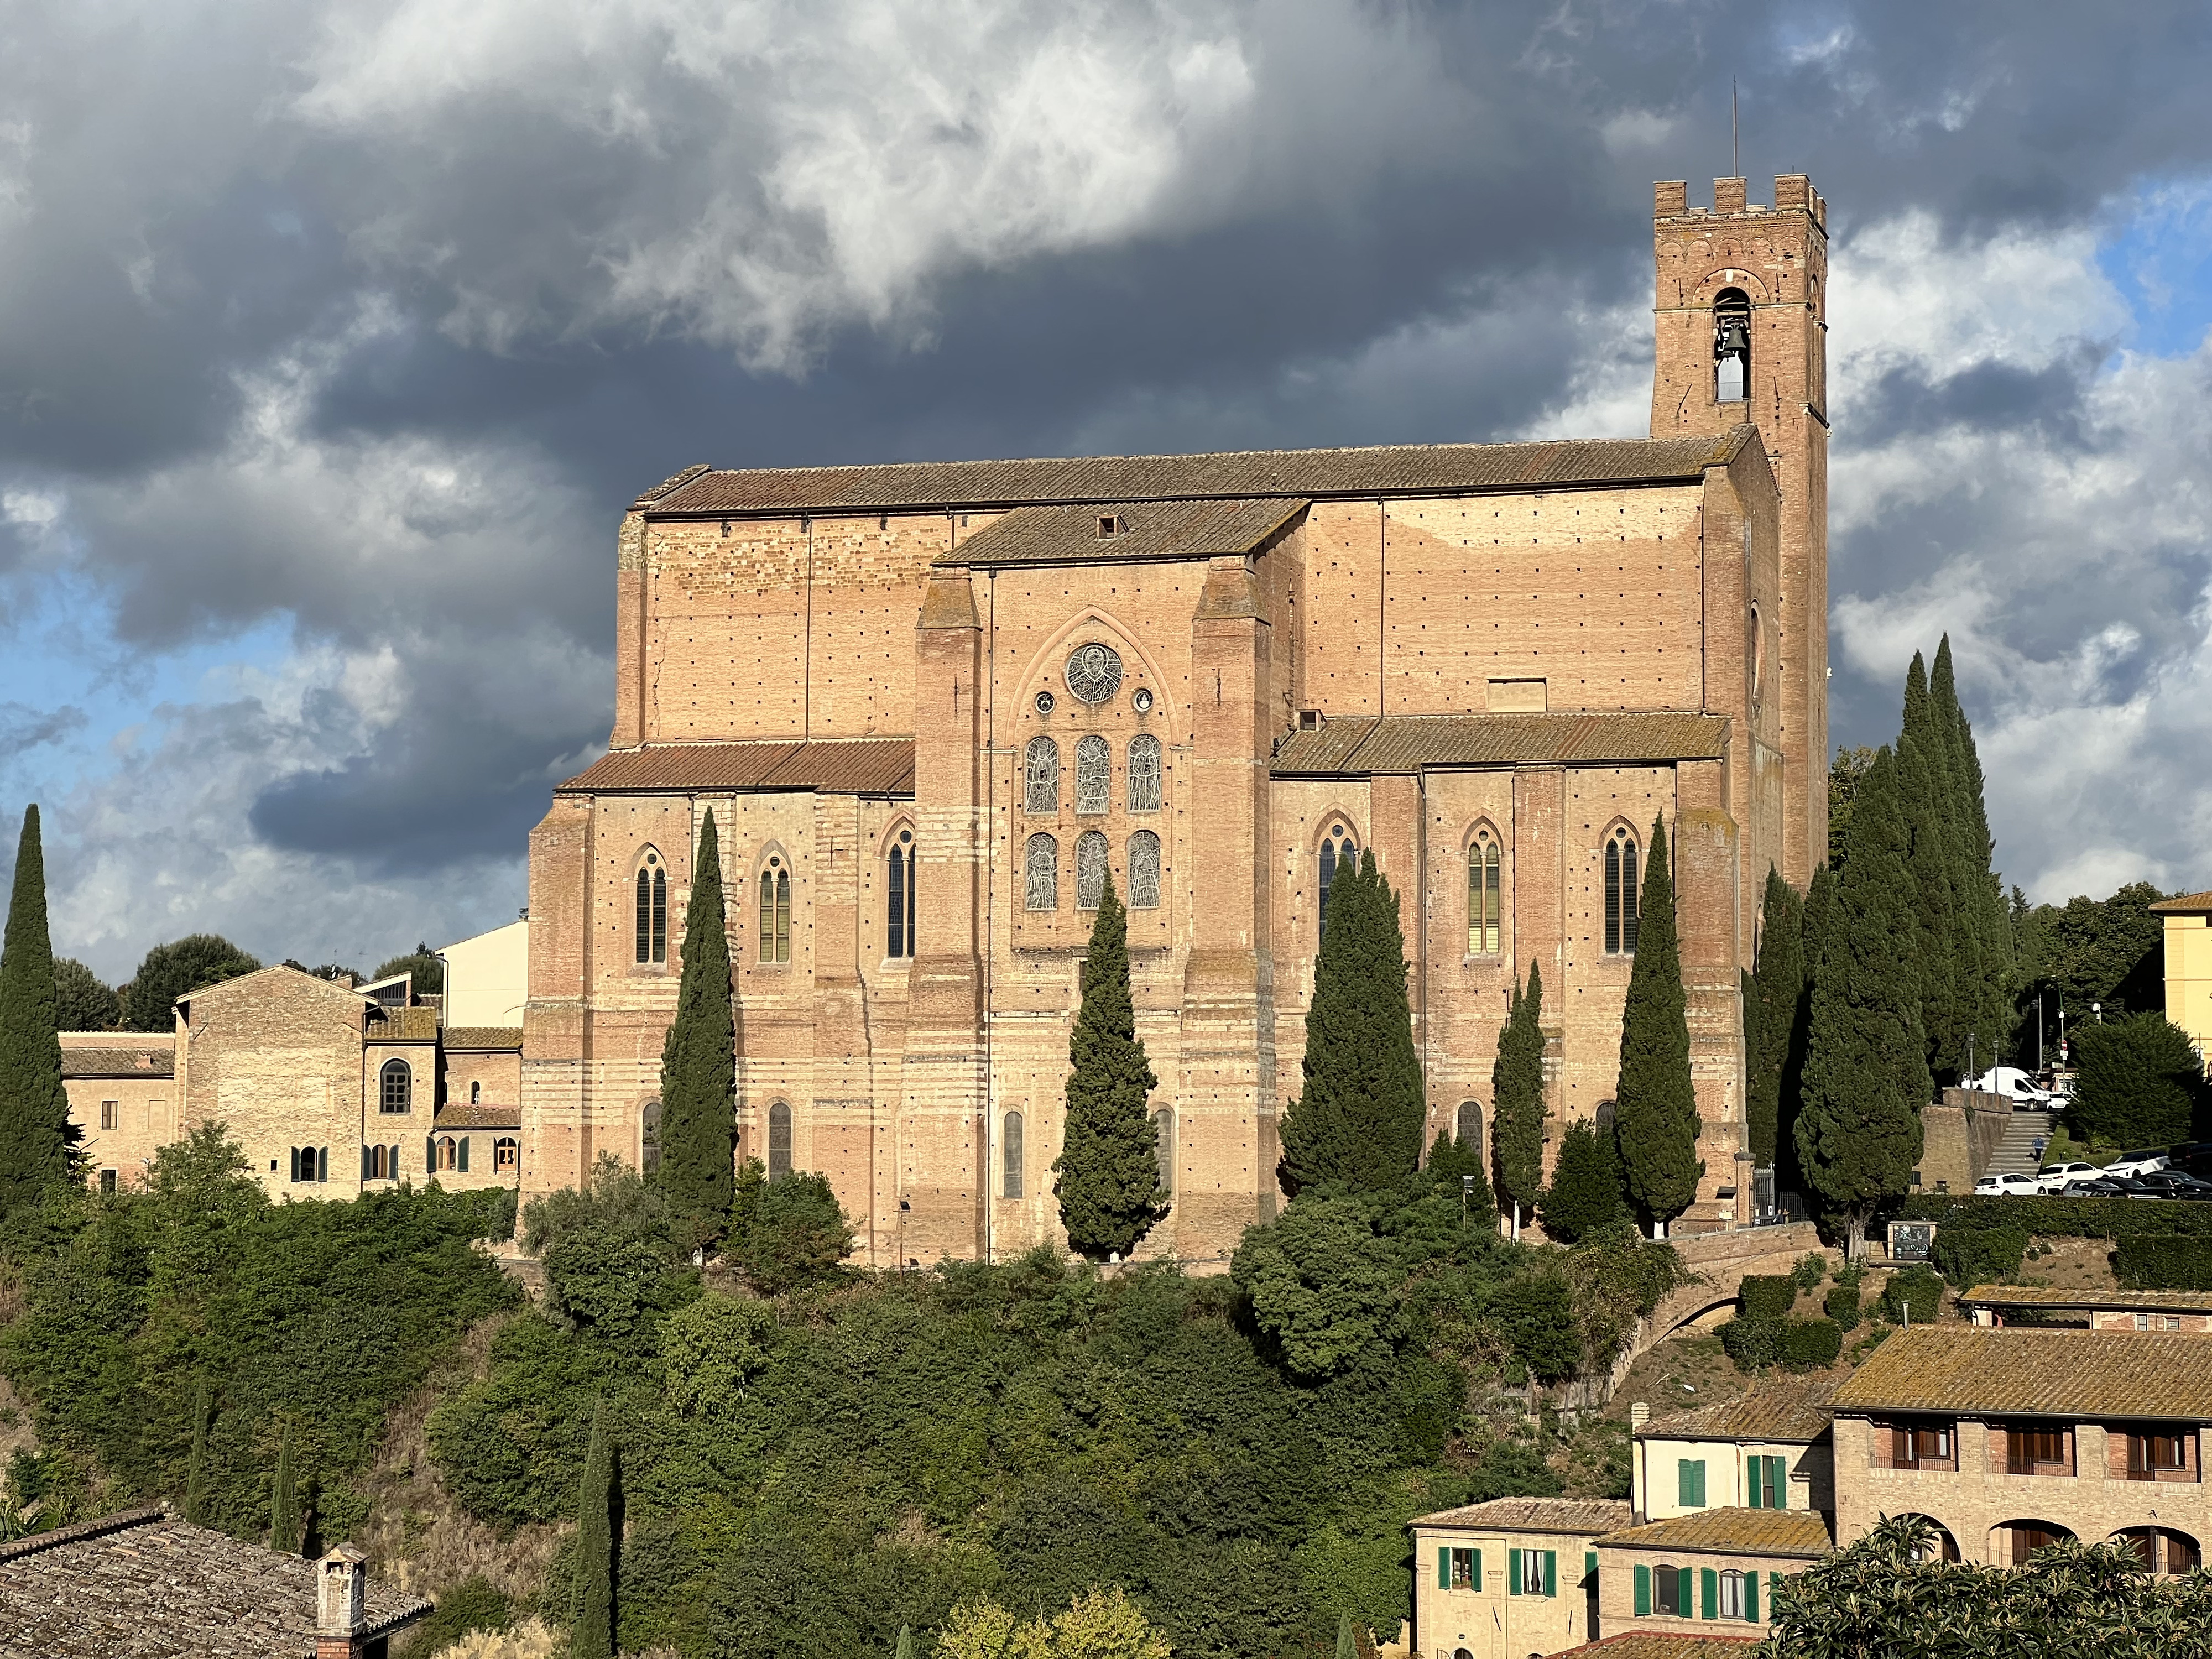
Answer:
[(2014, 1084)]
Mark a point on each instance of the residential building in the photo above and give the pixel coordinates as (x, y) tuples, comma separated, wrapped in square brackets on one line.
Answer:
[(2096, 1310), (1710, 1566), (932, 706), (1510, 1577), (486, 977), (1767, 1448), (2007, 1438), (2187, 945), (121, 1087)]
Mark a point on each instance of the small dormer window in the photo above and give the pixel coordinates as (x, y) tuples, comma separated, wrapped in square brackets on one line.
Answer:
[(1109, 525)]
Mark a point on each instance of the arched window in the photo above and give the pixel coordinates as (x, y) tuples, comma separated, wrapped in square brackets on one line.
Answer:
[(1089, 870), (1163, 1147), (2161, 1550), (1041, 873), (1938, 1545), (1041, 770), (776, 910), (1467, 1131), (649, 1135), (1094, 775), (898, 903), (395, 1090), (449, 1153), (1621, 900), (779, 1141), (506, 1154), (1482, 902), (1144, 871), (652, 909), (1009, 1145), (1731, 346), (476, 1094), (2021, 1539), (1339, 851), (1144, 773)]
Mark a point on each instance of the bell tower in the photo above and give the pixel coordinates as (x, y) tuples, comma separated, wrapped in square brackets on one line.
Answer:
[(1740, 315)]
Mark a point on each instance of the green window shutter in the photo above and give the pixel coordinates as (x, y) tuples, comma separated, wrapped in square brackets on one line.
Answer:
[(1513, 1572), (1643, 1591), (1590, 1564), (1709, 1593), (1478, 1570), (465, 1154), (430, 1153), (1751, 1598), (1758, 1482), (1690, 1482), (1551, 1572), (1443, 1567)]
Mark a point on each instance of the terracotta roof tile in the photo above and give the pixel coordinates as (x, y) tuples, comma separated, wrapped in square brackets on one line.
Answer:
[(1659, 1644), (484, 1114), (1150, 530), (1772, 1408), (143, 1585), (2050, 1296), (1589, 1515), (402, 1025), (1730, 1531), (120, 1062), (1385, 469), (483, 1037), (840, 766), (1411, 742), (2183, 904), (2034, 1373)]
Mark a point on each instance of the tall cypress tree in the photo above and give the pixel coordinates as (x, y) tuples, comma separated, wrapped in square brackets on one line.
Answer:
[(1985, 915), (1858, 1132), (1654, 1105), (1777, 986), (284, 1501), (1517, 1088), (36, 1135), (699, 1063), (1359, 1115), (592, 1593), (196, 1471), (1925, 805), (1819, 906), (1108, 1171)]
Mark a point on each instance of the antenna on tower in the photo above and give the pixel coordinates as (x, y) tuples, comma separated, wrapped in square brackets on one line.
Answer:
[(1736, 136)]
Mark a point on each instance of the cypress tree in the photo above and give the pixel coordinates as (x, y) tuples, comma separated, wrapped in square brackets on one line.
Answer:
[(1778, 987), (591, 1594), (284, 1501), (699, 1063), (1516, 1087), (905, 1648), (1108, 1171), (1654, 1105), (1346, 1646), (36, 1135), (1924, 803), (1985, 915), (1585, 1191), (1858, 1130), (1359, 1115), (1820, 905), (196, 1471)]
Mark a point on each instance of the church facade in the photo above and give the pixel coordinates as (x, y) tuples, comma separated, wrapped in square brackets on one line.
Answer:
[(932, 707)]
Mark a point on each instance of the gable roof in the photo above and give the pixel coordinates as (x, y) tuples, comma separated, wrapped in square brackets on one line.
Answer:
[(1661, 1644), (2050, 1295), (483, 1037), (1148, 529), (1792, 1408), (1589, 1515), (838, 766), (2013, 1371), (2183, 904), (1396, 743), (145, 1585), (1730, 1531), (276, 976), (482, 1114), (1379, 470)]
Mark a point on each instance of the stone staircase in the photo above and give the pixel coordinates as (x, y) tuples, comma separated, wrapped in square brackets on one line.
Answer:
[(2015, 1153)]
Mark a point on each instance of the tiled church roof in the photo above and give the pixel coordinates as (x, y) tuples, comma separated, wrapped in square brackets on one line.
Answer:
[(482, 1115), (845, 766), (1143, 530), (483, 1037), (1383, 470), (1408, 742)]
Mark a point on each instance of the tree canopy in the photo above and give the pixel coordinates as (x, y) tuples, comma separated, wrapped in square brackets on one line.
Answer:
[(82, 1001), (169, 971), (2141, 1083), (428, 974)]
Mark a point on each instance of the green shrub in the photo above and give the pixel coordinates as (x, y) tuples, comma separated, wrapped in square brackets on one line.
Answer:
[(2065, 1217), (1767, 1296), (1843, 1307), (472, 1604), (1918, 1291), (1811, 1267), (1750, 1344), (1795, 1345), (1978, 1255), (2152, 1263)]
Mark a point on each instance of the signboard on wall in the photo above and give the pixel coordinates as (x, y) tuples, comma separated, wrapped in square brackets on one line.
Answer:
[(1910, 1241)]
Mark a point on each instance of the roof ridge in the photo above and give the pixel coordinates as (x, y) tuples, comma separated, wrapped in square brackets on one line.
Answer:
[(76, 1532)]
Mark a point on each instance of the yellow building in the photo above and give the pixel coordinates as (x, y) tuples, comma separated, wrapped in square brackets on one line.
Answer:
[(1513, 1577), (2189, 964)]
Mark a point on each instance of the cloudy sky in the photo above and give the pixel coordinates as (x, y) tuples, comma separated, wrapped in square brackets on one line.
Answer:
[(334, 335)]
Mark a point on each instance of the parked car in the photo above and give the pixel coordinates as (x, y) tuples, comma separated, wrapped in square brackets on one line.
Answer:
[(2102, 1186), (2015, 1084), (2055, 1177), (2171, 1184), (1999, 1186), (2141, 1161)]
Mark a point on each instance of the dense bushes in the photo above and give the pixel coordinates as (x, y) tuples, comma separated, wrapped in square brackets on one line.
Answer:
[(1915, 1294), (2065, 1217), (1793, 1345), (1978, 1255), (1763, 1296), (1843, 1305), (2141, 1083), (2152, 1263)]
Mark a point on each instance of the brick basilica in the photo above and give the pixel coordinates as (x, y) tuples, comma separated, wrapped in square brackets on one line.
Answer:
[(931, 704)]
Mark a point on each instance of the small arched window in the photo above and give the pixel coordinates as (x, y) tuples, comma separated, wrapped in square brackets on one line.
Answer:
[(476, 1094), (1040, 773), (506, 1154), (1089, 870), (652, 909), (898, 901), (449, 1153), (1010, 1147), (776, 910), (1482, 895), (1731, 346), (1467, 1131), (1144, 871), (1094, 775), (1339, 851), (1621, 900), (395, 1091), (1040, 874), (649, 1135), (779, 1141), (1144, 773), (1163, 1147)]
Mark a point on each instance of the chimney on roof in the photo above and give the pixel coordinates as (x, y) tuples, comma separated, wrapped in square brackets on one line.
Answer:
[(341, 1603), (1638, 1414)]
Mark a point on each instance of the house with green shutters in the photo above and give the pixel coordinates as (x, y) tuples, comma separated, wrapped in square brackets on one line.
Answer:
[(1769, 1448), (1510, 1577)]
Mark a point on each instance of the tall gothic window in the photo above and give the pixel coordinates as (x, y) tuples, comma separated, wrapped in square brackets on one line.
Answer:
[(1620, 894), (1041, 873), (1009, 1148), (1144, 773), (1144, 871), (651, 910), (1336, 848), (1467, 1131), (395, 1087), (1482, 906), (1094, 775), (1040, 768), (779, 1141), (898, 902), (776, 910), (1089, 870)]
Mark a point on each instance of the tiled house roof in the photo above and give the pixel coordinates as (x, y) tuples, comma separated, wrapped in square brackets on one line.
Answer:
[(1656, 1644), (1589, 1515), (483, 1037), (2050, 1296), (1730, 1531), (483, 1115), (145, 1585), (404, 1026), (120, 1062), (1773, 1408), (2187, 904), (2034, 1373)]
